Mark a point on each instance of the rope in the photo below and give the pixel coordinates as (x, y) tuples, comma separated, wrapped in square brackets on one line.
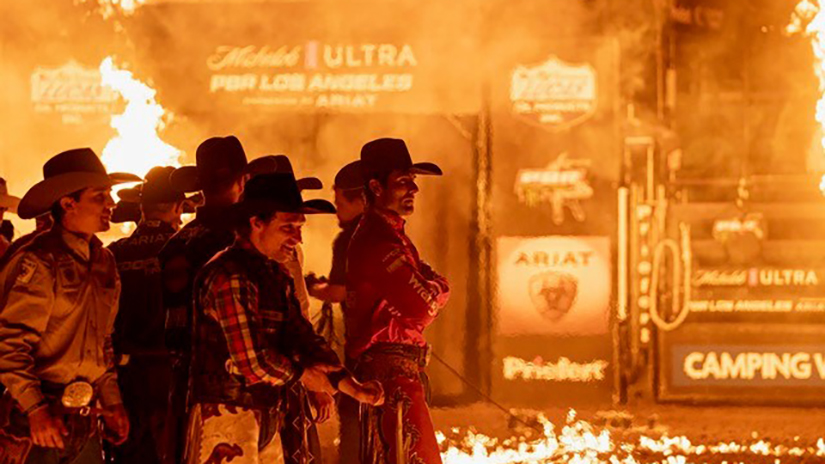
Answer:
[(682, 297), (484, 395)]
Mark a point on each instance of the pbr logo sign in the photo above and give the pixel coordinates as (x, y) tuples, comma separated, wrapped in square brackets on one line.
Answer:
[(563, 184), (554, 94), (554, 285), (71, 91)]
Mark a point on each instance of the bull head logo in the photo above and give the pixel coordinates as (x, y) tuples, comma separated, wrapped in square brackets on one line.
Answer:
[(553, 293)]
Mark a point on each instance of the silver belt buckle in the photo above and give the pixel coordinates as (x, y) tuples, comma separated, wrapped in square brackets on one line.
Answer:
[(78, 395)]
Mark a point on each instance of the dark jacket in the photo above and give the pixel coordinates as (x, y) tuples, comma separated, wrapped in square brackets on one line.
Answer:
[(250, 338)]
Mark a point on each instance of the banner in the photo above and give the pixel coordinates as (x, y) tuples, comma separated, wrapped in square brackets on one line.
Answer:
[(554, 285), (316, 57), (742, 363)]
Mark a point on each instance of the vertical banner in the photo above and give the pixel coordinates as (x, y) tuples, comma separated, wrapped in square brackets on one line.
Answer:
[(554, 301), (556, 171)]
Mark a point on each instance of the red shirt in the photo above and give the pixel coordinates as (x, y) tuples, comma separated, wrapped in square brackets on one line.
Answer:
[(392, 295)]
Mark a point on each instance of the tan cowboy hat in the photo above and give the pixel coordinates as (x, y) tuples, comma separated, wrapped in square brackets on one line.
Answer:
[(7, 201), (66, 173)]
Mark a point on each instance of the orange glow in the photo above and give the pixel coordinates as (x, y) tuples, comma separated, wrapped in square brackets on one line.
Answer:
[(808, 19)]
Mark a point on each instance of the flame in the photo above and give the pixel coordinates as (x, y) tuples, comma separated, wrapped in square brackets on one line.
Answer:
[(809, 19), (137, 147), (581, 442), (108, 8)]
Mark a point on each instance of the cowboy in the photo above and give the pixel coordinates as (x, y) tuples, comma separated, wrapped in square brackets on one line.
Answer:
[(250, 339), (349, 206), (7, 203), (220, 173), (297, 432), (57, 312), (139, 327), (392, 297)]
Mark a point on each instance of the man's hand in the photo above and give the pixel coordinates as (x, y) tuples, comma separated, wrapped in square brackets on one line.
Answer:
[(317, 289), (117, 424), (315, 378), (371, 393), (323, 404), (47, 430)]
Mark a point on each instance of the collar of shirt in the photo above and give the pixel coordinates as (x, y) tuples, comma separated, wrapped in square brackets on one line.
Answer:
[(78, 245), (248, 247), (391, 217), (351, 224)]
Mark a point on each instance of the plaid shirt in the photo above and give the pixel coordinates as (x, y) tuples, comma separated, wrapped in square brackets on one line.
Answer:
[(255, 327)]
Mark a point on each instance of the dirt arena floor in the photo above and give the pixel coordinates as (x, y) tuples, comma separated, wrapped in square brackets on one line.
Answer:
[(667, 434)]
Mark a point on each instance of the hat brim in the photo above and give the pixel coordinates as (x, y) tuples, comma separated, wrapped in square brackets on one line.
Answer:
[(426, 169), (317, 207), (126, 211), (40, 198), (245, 210), (131, 195), (9, 203), (310, 183)]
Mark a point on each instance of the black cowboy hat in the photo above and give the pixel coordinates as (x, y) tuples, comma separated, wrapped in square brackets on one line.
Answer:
[(382, 156), (7, 201), (280, 163), (277, 192), (126, 211), (66, 173), (218, 160), (157, 188), (349, 177)]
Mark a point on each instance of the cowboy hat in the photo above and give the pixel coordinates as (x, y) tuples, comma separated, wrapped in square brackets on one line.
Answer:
[(277, 192), (349, 177), (126, 211), (7, 201), (382, 156), (218, 160), (280, 163), (157, 188), (64, 174)]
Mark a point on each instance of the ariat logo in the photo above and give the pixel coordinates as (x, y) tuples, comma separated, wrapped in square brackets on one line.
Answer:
[(554, 258)]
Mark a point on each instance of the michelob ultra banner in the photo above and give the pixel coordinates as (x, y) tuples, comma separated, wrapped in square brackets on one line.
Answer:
[(764, 363), (552, 341)]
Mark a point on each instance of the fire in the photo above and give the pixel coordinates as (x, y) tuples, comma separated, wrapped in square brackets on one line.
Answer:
[(809, 19), (581, 442), (137, 147), (107, 8)]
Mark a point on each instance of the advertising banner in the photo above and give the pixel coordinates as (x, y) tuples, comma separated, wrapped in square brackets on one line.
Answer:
[(737, 293), (316, 57), (554, 285), (742, 363), (553, 320)]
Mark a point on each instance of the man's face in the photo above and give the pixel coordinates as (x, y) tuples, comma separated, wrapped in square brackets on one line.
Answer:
[(91, 213), (399, 193), (278, 238), (345, 209)]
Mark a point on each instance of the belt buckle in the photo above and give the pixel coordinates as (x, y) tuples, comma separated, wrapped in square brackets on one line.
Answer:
[(428, 352), (78, 395)]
